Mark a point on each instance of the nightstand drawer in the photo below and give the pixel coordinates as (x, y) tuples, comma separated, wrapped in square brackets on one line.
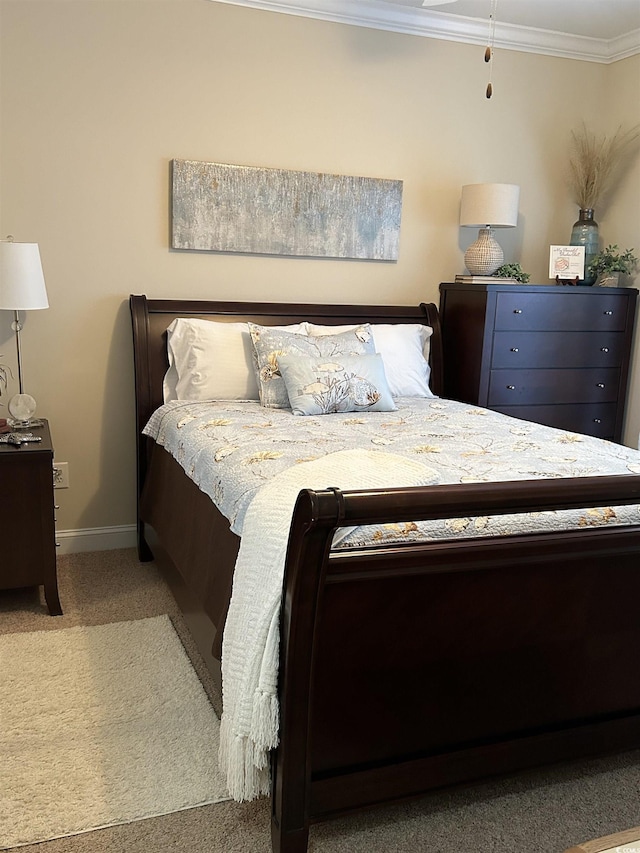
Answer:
[(560, 311), (555, 349), (562, 385), (598, 419)]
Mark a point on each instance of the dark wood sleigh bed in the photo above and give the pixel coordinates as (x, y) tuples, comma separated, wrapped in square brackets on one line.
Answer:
[(404, 668)]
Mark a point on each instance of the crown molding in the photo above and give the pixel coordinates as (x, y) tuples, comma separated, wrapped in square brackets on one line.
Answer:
[(442, 25)]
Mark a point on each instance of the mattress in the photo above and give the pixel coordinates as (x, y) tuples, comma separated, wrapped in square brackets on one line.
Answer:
[(231, 449)]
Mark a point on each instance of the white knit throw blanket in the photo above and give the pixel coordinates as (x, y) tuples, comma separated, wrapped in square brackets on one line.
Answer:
[(250, 646)]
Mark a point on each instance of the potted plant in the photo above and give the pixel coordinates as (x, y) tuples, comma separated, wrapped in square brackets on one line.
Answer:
[(512, 271), (610, 263)]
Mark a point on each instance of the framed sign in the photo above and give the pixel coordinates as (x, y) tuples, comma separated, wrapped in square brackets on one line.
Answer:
[(566, 262)]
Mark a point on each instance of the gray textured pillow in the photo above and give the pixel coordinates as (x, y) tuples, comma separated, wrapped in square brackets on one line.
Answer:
[(347, 383), (269, 344)]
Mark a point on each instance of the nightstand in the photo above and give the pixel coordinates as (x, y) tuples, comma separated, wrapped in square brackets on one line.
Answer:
[(27, 522), (555, 355)]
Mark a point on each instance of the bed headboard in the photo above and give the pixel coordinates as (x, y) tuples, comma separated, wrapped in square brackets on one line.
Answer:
[(151, 317)]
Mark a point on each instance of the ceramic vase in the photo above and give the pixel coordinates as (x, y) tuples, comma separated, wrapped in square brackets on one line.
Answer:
[(585, 233)]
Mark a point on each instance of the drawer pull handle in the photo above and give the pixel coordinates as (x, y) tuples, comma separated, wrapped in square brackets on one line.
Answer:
[(604, 349), (515, 349), (597, 421), (608, 313), (517, 311), (600, 385), (511, 387)]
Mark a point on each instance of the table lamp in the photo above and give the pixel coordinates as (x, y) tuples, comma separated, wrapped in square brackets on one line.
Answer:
[(487, 206), (22, 288)]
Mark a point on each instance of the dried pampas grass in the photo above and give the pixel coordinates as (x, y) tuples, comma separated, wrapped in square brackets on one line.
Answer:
[(595, 162)]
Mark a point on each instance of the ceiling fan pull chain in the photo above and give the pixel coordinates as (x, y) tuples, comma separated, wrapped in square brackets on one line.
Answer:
[(488, 54)]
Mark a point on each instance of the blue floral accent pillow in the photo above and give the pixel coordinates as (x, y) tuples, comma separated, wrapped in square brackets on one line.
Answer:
[(345, 383), (270, 344)]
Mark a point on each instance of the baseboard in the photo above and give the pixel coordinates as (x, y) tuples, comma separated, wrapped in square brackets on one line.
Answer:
[(96, 539)]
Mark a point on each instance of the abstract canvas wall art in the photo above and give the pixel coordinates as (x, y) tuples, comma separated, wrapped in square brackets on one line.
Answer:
[(226, 208)]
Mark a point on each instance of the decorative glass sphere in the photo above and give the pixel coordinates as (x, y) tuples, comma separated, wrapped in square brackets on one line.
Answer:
[(22, 407)]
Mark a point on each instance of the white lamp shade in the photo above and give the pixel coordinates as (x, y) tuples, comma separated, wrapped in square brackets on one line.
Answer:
[(490, 204), (22, 286)]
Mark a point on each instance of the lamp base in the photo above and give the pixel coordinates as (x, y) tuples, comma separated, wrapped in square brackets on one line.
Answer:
[(485, 255), (22, 408)]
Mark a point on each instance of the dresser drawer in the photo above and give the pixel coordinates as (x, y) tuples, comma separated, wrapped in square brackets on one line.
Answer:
[(597, 419), (556, 355), (564, 311), (555, 349), (561, 385)]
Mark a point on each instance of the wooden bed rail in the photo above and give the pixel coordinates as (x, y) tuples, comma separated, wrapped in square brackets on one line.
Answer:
[(470, 499)]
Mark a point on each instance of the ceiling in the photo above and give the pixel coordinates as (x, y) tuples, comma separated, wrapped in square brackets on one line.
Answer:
[(591, 30)]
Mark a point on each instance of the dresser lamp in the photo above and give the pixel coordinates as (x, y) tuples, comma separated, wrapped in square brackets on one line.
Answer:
[(487, 206), (22, 288)]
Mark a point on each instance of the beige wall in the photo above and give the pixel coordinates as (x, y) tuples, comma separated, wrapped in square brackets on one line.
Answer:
[(96, 99)]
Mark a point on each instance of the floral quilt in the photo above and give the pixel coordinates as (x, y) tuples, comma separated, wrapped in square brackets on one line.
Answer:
[(231, 449)]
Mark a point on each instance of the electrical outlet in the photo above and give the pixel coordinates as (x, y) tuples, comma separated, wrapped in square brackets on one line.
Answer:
[(60, 475)]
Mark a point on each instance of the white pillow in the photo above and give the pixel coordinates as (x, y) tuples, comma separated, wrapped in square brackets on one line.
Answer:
[(404, 348), (209, 360)]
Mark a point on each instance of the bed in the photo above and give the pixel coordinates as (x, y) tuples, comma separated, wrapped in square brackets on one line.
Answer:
[(406, 666)]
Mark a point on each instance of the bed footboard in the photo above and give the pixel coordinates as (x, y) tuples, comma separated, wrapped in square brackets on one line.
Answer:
[(406, 668)]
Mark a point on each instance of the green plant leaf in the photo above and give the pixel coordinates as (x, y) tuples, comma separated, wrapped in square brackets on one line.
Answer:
[(512, 271)]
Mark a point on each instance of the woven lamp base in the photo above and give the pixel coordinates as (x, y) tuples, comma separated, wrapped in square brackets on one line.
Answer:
[(485, 255)]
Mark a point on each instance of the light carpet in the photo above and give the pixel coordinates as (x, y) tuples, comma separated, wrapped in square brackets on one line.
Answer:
[(100, 726)]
